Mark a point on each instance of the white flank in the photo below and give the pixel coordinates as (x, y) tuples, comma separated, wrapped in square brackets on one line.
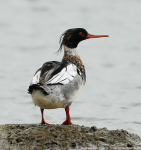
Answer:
[(48, 102)]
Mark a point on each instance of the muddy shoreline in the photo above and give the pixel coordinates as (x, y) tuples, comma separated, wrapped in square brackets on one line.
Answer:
[(40, 137)]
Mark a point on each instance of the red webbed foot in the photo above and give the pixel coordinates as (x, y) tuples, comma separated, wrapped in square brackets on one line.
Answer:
[(68, 119), (43, 121), (67, 123)]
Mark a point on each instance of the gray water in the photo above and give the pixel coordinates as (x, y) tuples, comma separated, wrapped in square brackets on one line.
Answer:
[(29, 35)]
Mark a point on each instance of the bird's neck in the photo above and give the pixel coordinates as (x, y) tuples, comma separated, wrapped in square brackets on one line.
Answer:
[(70, 51), (72, 56)]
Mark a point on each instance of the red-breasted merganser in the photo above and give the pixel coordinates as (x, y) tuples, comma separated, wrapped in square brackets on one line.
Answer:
[(57, 84)]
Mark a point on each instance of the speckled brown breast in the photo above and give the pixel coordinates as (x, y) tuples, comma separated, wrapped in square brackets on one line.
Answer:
[(75, 59)]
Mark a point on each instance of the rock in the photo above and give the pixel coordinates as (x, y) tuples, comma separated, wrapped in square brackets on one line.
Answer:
[(102, 139), (40, 137), (94, 128)]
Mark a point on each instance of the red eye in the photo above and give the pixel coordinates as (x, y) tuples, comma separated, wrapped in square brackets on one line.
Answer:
[(80, 33)]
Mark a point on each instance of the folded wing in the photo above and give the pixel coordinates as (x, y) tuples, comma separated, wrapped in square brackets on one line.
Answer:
[(65, 76), (54, 73)]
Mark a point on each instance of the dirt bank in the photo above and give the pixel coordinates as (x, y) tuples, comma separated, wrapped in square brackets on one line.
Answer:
[(39, 137)]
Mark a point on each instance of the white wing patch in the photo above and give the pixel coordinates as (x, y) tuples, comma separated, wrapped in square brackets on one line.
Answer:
[(65, 76), (36, 78)]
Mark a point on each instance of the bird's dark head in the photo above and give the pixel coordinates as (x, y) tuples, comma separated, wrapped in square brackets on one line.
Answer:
[(72, 37)]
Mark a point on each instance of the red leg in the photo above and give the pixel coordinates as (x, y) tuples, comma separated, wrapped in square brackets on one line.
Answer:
[(43, 121), (68, 118)]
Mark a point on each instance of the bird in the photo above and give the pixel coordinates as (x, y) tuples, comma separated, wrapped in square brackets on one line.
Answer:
[(57, 84)]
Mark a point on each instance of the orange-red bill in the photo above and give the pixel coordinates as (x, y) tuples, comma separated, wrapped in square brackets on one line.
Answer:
[(89, 36)]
